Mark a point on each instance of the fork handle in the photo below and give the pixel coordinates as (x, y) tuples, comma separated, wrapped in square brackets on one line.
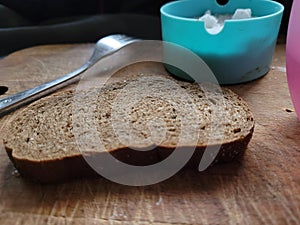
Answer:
[(18, 99)]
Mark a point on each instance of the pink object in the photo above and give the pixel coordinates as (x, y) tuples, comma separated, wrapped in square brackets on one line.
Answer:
[(293, 55)]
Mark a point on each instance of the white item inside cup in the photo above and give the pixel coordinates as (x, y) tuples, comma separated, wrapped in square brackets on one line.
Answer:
[(215, 23)]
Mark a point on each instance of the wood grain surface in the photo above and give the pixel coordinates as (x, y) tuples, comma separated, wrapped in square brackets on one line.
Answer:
[(263, 188)]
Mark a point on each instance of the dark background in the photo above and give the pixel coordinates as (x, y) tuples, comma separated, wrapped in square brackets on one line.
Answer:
[(40, 10), (24, 23)]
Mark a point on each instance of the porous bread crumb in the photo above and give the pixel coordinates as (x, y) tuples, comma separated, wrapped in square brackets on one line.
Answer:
[(45, 129)]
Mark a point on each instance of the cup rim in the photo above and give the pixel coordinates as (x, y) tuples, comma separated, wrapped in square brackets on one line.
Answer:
[(278, 12)]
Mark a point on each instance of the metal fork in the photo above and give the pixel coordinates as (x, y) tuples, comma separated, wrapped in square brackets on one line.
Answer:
[(104, 47)]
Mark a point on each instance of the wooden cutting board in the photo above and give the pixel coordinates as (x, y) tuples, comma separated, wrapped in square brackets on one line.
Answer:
[(263, 188)]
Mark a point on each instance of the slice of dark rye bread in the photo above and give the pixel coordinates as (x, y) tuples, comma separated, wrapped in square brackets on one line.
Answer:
[(44, 140)]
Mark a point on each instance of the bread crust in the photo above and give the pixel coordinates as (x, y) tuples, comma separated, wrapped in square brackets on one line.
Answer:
[(76, 167)]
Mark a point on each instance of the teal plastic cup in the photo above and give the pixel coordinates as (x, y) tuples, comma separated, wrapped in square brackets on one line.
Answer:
[(242, 51)]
